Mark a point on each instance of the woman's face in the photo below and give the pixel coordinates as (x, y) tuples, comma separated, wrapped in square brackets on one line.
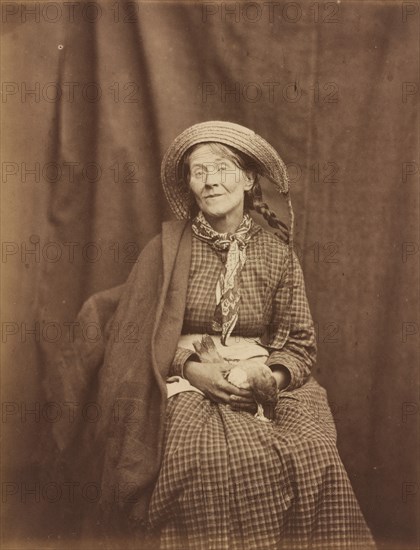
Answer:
[(217, 183)]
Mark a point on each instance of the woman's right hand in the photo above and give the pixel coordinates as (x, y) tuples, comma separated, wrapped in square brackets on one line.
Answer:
[(208, 377)]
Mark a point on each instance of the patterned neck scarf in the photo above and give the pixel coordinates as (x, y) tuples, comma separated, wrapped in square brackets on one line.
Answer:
[(227, 289)]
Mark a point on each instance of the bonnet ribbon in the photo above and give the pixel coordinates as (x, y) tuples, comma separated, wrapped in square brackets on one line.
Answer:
[(227, 289)]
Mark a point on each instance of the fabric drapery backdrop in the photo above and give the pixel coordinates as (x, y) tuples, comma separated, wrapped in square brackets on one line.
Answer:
[(333, 87)]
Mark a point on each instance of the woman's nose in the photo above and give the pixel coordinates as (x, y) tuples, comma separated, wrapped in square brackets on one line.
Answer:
[(214, 178)]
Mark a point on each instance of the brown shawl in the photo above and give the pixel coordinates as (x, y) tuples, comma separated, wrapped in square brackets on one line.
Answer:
[(125, 373)]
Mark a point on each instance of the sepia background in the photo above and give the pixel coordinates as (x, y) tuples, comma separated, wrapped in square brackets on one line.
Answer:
[(91, 98)]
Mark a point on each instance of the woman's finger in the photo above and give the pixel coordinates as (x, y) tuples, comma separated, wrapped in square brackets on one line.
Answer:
[(234, 390), (223, 392), (222, 396), (236, 403), (218, 396), (237, 399)]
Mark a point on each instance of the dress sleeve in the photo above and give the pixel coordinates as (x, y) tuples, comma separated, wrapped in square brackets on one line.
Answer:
[(298, 354), (181, 357)]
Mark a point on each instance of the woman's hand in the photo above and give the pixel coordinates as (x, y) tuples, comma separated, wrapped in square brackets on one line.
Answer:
[(208, 377)]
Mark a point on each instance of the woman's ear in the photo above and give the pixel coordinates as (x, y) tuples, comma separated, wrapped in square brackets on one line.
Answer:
[(250, 180)]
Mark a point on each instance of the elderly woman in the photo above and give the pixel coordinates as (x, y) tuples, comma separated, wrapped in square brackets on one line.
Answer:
[(179, 449)]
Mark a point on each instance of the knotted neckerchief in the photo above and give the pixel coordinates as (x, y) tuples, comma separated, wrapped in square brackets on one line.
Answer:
[(227, 289)]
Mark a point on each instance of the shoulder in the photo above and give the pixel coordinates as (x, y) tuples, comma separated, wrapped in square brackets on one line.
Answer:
[(171, 233), (268, 254), (175, 225), (267, 239)]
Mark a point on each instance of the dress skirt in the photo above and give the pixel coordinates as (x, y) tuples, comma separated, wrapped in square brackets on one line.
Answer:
[(229, 481)]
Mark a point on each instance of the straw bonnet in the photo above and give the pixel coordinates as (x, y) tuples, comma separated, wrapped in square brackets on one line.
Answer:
[(258, 149)]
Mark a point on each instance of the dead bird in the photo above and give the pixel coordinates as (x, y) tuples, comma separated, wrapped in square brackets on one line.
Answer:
[(252, 374)]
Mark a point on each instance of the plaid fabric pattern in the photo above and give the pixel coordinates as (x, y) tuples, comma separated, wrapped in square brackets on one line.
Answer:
[(231, 482), (263, 309)]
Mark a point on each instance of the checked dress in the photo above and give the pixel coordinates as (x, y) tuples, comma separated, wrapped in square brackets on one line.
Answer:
[(229, 481)]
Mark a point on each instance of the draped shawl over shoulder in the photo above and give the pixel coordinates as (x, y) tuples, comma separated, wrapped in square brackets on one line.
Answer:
[(140, 322)]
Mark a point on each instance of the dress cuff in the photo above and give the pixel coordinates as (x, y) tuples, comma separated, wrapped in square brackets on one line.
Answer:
[(283, 359), (182, 355)]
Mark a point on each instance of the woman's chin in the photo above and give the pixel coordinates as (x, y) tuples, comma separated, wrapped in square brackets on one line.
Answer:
[(214, 214)]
